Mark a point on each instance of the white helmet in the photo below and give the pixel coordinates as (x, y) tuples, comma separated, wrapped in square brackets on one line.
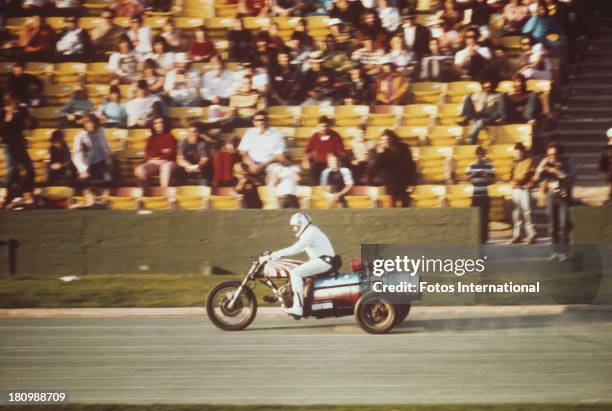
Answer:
[(301, 221)]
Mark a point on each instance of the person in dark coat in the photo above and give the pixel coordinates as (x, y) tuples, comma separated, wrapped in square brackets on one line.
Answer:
[(393, 161)]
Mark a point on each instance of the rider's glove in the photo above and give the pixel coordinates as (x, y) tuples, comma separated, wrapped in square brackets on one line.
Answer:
[(264, 258)]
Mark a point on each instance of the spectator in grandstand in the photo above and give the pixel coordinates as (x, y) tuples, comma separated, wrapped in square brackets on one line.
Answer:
[(472, 59), (359, 88), (260, 147), (161, 55), (556, 172), (74, 42), (416, 36), (515, 16), (394, 164), (284, 81), (481, 174), (319, 85), (481, 14), (275, 40), (60, 170), (151, 73), (160, 155), (255, 8), (173, 36), (259, 77), (112, 112), (182, 83), (127, 8), (300, 31), (140, 35), (218, 84), (202, 48), (247, 186), (14, 120), (193, 156), (391, 85), (338, 179), (341, 34), (452, 15), (299, 51), (540, 25), (389, 16), (404, 60), (124, 62), (323, 142), (287, 8), (347, 11), (368, 57), (244, 103), (91, 154), (522, 174), (240, 41), (140, 109), (449, 40), (284, 177), (534, 62), (26, 87), (605, 166), (77, 107), (371, 28), (360, 155), (105, 36), (262, 55), (335, 58), (37, 40), (499, 67), (224, 159), (437, 65), (520, 105), (483, 108)]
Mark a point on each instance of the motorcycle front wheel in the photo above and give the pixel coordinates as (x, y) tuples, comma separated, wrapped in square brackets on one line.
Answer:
[(237, 317)]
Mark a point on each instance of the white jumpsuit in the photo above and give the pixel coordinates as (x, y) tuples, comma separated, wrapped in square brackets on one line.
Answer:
[(316, 244)]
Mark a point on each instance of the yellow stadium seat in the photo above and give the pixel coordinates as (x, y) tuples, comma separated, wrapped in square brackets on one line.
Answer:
[(37, 68), (286, 116), (57, 23), (541, 86), (459, 195), (413, 135), (181, 116), (155, 22), (510, 42), (354, 201), (463, 156), (155, 202), (39, 134), (310, 114), (6, 67), (385, 116), (193, 197), (268, 197), (58, 93), (116, 137), (450, 114), (256, 23), (501, 159), (425, 19), (188, 23), (419, 114), (137, 138), (89, 23), (499, 194), (444, 135), (219, 26), (500, 190), (68, 72), (317, 26), (47, 116), (505, 86), (180, 133), (97, 92), (97, 6), (123, 203), (350, 116), (427, 92), (456, 91), (372, 133), (57, 196), (225, 202), (433, 163), (428, 195), (225, 10), (512, 133)]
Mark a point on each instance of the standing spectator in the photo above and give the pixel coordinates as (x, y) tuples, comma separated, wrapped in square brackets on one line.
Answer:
[(77, 107), (161, 55), (105, 36), (605, 166), (284, 177), (361, 154), (260, 146), (124, 62), (160, 155), (483, 108), (60, 170), (14, 121), (323, 142), (91, 154), (240, 41), (416, 36), (471, 60), (520, 105), (202, 48), (112, 111), (26, 87), (557, 173), (522, 174), (481, 174), (515, 15), (194, 157), (74, 42), (140, 35), (393, 161), (391, 86), (338, 179), (140, 109), (534, 63), (37, 40), (182, 84), (218, 84)]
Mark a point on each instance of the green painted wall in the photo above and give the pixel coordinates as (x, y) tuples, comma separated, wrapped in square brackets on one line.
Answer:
[(181, 241), (592, 225)]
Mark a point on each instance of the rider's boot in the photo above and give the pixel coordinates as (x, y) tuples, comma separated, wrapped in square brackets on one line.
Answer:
[(296, 310)]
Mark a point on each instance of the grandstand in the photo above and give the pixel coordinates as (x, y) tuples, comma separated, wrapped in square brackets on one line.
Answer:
[(430, 117)]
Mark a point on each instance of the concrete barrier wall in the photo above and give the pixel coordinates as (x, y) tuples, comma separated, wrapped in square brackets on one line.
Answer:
[(592, 225), (182, 241)]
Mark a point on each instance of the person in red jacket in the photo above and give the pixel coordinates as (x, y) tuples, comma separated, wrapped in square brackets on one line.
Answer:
[(160, 155), (323, 142)]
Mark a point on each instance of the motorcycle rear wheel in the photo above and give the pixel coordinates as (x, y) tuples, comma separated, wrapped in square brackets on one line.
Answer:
[(375, 314), (238, 317)]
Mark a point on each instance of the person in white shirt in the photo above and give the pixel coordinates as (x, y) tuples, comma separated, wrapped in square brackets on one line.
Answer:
[(218, 85), (321, 254), (285, 178), (124, 62), (389, 16), (160, 55), (141, 109), (534, 63), (91, 154), (74, 42), (261, 145), (473, 58), (259, 77), (140, 35), (182, 83)]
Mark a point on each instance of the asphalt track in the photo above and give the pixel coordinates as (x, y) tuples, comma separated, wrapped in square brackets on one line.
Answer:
[(439, 355)]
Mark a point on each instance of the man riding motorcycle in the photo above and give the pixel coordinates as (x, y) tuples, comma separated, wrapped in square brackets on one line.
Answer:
[(320, 251)]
